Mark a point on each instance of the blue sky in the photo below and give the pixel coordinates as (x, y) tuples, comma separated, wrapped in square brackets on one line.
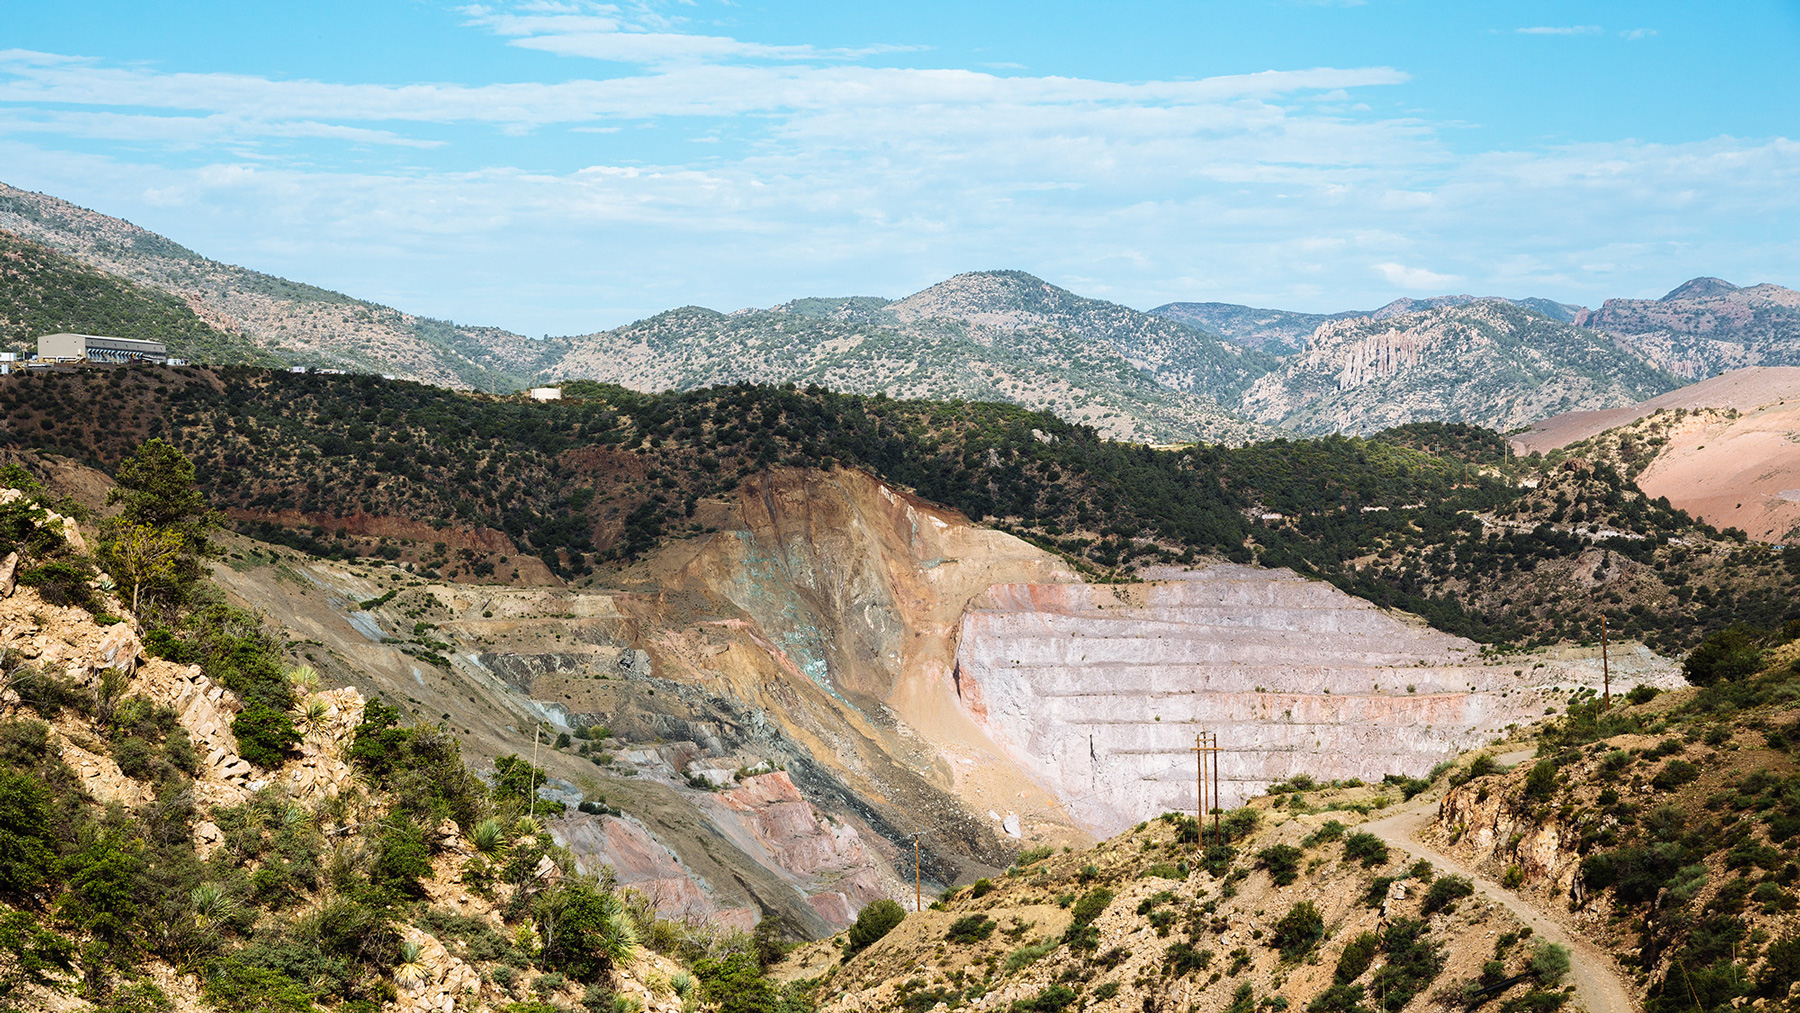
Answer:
[(557, 167)]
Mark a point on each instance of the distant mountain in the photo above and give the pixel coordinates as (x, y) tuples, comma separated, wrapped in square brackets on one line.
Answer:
[(293, 321), (992, 336), (43, 292), (1279, 331), (1489, 362), (1706, 326), (1284, 331)]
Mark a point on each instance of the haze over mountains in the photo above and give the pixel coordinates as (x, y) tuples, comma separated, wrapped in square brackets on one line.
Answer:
[(1183, 371)]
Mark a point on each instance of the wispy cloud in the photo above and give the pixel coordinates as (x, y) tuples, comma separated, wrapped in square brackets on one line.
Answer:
[(1635, 34), (812, 171), (1415, 279)]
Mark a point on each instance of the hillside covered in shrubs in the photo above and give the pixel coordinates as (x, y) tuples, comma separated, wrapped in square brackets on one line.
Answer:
[(1429, 518)]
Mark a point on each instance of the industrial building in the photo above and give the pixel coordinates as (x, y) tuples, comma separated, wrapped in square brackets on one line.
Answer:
[(100, 348)]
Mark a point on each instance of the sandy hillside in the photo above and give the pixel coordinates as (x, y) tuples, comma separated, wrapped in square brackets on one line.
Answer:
[(1741, 472), (1742, 389)]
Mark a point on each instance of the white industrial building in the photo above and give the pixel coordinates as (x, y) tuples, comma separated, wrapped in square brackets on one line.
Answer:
[(100, 348)]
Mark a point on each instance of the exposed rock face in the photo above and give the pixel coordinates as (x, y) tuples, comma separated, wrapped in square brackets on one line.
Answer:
[(1484, 822), (825, 858), (1099, 691), (645, 865), (1489, 362), (1707, 325)]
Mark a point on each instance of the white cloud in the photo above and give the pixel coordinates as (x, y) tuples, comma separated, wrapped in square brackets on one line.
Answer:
[(836, 176), (1560, 30), (1415, 278), (1635, 34)]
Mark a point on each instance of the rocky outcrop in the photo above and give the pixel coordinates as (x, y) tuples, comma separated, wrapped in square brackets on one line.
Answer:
[(638, 861), (1485, 821), (1707, 325), (1489, 362), (824, 858), (1100, 690)]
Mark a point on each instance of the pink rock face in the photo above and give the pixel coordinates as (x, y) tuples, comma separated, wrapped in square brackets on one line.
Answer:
[(642, 864), (825, 860), (1100, 691)]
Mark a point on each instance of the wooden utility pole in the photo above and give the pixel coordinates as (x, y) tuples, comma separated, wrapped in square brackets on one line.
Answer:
[(537, 728), (1216, 806), (1200, 791), (918, 891), (1206, 743), (1605, 669)]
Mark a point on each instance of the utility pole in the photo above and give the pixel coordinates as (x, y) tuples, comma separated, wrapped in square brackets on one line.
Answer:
[(537, 728), (1217, 805), (918, 890), (1605, 669), (1207, 743), (1200, 791)]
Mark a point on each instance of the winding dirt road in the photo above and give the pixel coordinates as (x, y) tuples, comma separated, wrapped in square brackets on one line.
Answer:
[(1597, 980)]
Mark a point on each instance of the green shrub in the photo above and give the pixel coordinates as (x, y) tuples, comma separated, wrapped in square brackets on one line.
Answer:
[(592, 932), (1181, 959), (980, 888), (1444, 894), (1358, 954), (1674, 774), (1549, 961), (1298, 931), (1366, 848), (1642, 694), (401, 860), (265, 736), (1540, 784), (1328, 832), (1413, 963), (1091, 905), (62, 582), (1026, 955), (1727, 655), (1282, 861), (245, 988), (26, 834), (1339, 998), (970, 929), (873, 922), (1052, 999)]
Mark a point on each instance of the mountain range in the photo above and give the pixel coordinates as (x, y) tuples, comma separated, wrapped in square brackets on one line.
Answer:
[(1184, 371)]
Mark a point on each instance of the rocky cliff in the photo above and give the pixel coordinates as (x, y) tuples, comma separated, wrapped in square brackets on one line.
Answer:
[(1705, 326), (1488, 362), (1100, 691)]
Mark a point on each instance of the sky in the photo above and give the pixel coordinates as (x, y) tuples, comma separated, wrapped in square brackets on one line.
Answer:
[(560, 166)]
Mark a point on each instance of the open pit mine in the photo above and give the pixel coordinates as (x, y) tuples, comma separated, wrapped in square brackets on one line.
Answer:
[(840, 665)]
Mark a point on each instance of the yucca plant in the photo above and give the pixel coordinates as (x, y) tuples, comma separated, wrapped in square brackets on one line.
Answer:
[(616, 939), (314, 712), (489, 836), (682, 983), (304, 678), (412, 969), (212, 904)]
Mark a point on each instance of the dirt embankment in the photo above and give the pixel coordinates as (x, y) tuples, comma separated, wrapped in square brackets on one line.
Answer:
[(1729, 453)]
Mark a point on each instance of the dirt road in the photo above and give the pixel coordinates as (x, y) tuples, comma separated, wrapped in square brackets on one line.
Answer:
[(1597, 980)]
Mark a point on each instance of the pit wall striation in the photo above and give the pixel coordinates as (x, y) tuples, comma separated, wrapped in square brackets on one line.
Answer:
[(1100, 691)]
